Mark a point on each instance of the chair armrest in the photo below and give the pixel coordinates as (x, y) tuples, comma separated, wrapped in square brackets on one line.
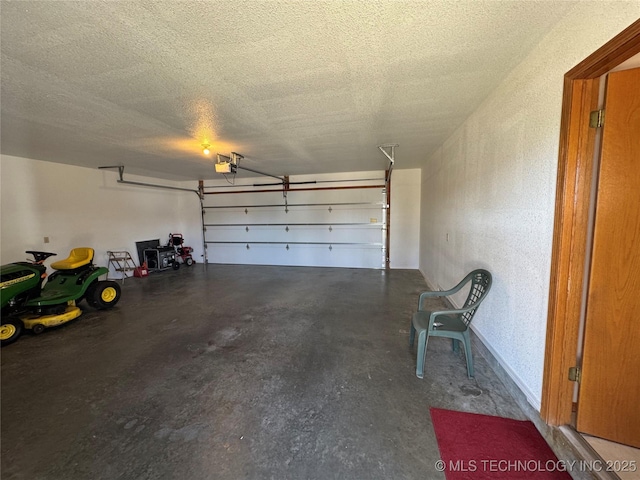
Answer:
[(424, 295), (457, 312), (443, 293), (436, 293)]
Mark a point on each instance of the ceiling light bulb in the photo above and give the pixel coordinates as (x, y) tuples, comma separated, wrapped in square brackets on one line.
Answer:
[(205, 149)]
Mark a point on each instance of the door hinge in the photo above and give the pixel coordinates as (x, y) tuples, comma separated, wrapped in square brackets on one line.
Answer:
[(596, 119), (574, 374)]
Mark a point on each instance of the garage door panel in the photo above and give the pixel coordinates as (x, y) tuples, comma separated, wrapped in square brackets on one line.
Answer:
[(296, 255), (310, 235), (315, 228)]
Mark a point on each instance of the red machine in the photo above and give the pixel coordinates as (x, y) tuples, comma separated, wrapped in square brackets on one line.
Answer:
[(176, 240)]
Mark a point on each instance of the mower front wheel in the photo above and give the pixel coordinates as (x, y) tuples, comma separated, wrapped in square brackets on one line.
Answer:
[(10, 330), (189, 261), (103, 294)]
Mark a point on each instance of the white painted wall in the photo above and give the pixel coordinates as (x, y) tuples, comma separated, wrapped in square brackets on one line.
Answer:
[(77, 207), (491, 187), (405, 218)]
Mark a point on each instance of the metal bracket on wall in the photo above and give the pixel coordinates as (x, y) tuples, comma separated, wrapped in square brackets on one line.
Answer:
[(199, 193), (142, 184), (389, 151)]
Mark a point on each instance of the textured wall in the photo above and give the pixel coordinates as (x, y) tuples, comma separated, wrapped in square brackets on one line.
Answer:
[(491, 188), (76, 206)]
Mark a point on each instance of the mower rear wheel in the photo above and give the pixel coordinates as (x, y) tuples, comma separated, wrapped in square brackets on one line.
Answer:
[(10, 330), (189, 261), (103, 294)]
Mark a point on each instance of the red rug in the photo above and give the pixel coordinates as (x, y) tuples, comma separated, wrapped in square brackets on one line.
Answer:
[(478, 447)]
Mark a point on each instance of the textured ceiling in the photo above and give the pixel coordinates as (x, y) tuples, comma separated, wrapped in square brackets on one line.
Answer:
[(296, 87)]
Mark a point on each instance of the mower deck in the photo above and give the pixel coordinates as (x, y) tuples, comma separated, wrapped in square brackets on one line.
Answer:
[(47, 321)]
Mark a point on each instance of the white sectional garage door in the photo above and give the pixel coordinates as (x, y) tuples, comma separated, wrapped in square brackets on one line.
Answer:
[(339, 228)]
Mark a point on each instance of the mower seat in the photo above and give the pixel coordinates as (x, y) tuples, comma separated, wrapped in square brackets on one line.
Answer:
[(78, 257)]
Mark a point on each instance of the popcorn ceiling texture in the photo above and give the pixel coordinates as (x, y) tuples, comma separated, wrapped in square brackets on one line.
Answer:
[(491, 187), (296, 87)]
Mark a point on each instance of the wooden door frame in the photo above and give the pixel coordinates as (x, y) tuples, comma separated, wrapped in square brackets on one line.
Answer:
[(573, 190)]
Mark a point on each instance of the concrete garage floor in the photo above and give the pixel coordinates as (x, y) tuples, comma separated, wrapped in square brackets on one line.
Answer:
[(238, 372)]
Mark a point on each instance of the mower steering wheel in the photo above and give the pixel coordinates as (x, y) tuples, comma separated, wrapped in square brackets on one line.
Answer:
[(40, 257)]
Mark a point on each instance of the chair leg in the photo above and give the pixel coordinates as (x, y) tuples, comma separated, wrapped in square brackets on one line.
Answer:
[(467, 354), (412, 334), (422, 353)]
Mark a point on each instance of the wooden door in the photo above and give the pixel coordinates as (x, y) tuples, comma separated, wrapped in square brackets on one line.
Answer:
[(609, 395)]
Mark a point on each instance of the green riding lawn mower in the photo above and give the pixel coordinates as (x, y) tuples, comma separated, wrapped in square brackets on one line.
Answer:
[(28, 305)]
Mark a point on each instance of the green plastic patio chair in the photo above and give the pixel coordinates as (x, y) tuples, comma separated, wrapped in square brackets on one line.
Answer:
[(450, 323)]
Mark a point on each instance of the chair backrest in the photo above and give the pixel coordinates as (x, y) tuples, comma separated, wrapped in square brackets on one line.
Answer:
[(480, 286)]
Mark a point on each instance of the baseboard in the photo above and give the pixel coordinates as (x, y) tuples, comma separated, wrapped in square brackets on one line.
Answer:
[(495, 360), (429, 283)]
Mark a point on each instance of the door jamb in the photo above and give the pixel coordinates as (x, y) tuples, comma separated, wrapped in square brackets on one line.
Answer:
[(573, 187)]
